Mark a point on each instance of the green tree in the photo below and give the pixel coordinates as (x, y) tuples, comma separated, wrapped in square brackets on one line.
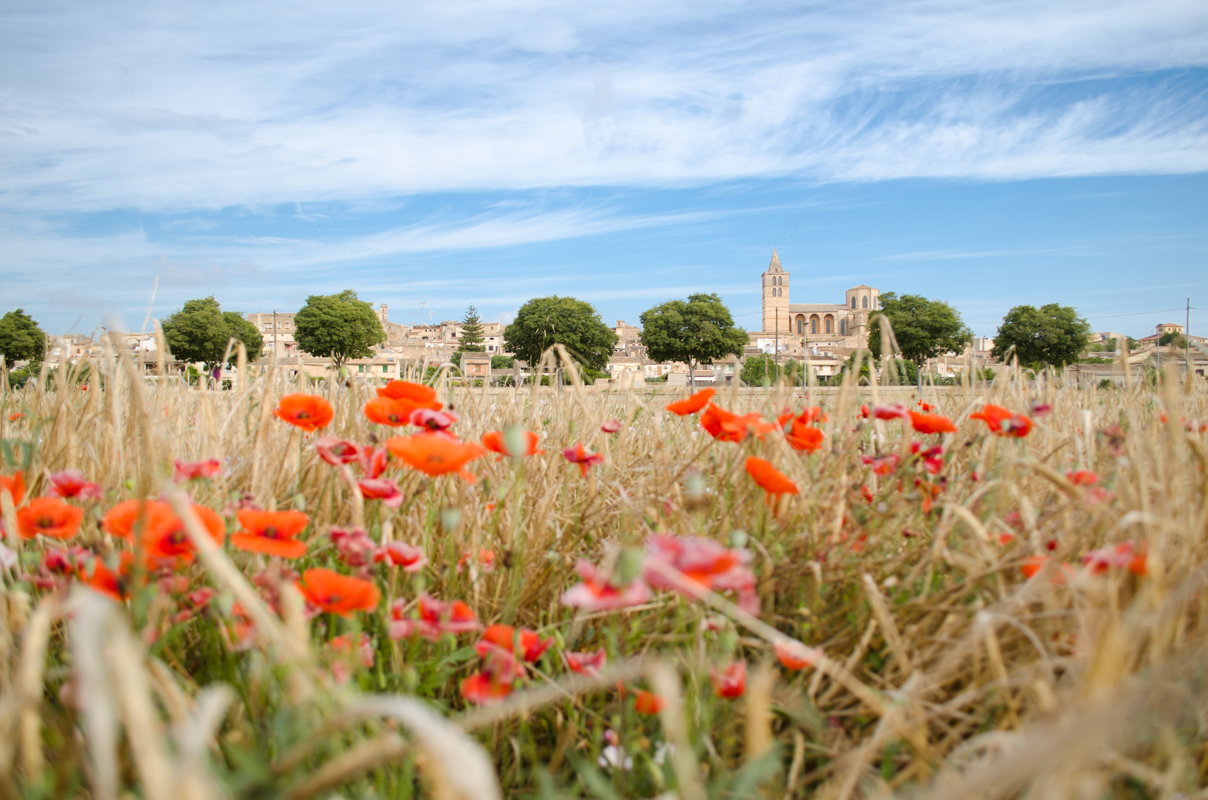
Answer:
[(471, 339), (1172, 338), (544, 321), (696, 331), (1052, 334), (201, 331), (338, 326), (761, 370), (21, 339), (923, 328)]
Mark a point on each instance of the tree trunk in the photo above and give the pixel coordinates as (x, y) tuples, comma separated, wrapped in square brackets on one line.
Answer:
[(692, 375)]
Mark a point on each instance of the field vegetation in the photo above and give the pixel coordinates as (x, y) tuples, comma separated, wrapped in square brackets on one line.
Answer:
[(290, 591)]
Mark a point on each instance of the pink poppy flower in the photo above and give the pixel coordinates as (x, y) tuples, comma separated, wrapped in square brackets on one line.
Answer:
[(587, 663), (433, 420), (71, 483), (612, 426), (337, 451), (401, 554), (354, 546), (435, 618), (705, 562), (883, 465), (596, 592), (192, 470), (583, 457), (382, 489), (373, 462)]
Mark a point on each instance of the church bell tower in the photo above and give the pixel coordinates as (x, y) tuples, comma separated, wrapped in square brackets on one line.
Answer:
[(776, 297)]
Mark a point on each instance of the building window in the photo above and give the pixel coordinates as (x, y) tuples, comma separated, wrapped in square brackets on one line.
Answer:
[(830, 325), (853, 302), (842, 327), (814, 325), (800, 326), (865, 301), (360, 367), (385, 368)]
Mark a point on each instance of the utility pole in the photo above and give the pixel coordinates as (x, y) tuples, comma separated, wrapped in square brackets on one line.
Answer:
[(1187, 339), (777, 350), (274, 337)]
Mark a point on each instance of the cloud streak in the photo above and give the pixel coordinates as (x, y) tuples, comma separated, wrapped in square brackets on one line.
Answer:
[(185, 108)]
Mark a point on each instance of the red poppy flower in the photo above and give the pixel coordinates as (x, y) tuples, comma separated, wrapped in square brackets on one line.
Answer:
[(1002, 422), (93, 573), (423, 396), (337, 451), (706, 562), (648, 702), (528, 644), (587, 663), (1033, 564), (485, 560), (401, 554), (271, 532), (597, 593), (338, 594), (1082, 477), (306, 411), (926, 406), (49, 516), (14, 417), (890, 411), (15, 485), (883, 465), (71, 483), (770, 479), (435, 618), (192, 470), (583, 457), (1126, 555), (494, 441), (727, 427), (801, 436), (730, 682), (382, 489), (794, 655), (165, 539), (931, 423), (373, 461), (435, 453), (691, 404), (611, 426), (482, 689), (806, 417)]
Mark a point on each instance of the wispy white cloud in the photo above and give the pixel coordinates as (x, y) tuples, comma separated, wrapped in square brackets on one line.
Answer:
[(188, 108)]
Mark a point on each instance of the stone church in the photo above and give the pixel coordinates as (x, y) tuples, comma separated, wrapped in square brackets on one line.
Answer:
[(838, 324)]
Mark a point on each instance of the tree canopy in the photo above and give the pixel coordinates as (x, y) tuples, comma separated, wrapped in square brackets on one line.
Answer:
[(201, 330), (544, 321), (20, 338), (696, 331), (1052, 334), (338, 326), (761, 370), (923, 328), (471, 339)]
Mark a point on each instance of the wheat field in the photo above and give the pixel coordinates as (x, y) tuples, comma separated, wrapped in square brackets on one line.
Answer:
[(1007, 616)]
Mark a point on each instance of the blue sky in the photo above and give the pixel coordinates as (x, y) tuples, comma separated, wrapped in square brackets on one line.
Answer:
[(430, 155)]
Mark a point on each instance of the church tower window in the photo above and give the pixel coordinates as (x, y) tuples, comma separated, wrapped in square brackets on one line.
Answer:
[(853, 302), (866, 301)]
